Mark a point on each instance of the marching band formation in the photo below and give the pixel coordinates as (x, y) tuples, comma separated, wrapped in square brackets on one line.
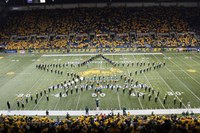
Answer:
[(76, 83)]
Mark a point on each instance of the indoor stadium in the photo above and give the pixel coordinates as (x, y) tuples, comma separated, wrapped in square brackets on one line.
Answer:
[(100, 66)]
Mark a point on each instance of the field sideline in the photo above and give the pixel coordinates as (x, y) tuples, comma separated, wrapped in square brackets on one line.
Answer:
[(94, 112), (180, 79), (92, 54)]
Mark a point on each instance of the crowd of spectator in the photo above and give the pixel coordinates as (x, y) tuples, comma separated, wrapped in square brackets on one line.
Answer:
[(101, 21), (185, 123)]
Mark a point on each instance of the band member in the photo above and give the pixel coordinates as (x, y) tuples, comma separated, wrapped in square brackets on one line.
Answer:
[(47, 97), (22, 104), (26, 99), (149, 97), (35, 100), (123, 90), (8, 105), (174, 101), (164, 101), (135, 72), (66, 92), (158, 93), (18, 103), (156, 99), (143, 96)]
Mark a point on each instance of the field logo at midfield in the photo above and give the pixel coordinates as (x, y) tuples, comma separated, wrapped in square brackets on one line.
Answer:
[(10, 73), (191, 70), (1, 57), (97, 72)]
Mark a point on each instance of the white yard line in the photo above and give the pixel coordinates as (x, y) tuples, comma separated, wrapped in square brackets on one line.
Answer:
[(184, 71), (151, 86), (196, 56), (78, 100), (60, 55), (57, 103), (191, 58), (134, 89), (180, 81), (59, 97), (29, 89), (94, 112), (8, 68), (79, 94), (44, 94), (35, 82), (170, 88), (5, 61), (119, 103), (33, 85), (6, 64)]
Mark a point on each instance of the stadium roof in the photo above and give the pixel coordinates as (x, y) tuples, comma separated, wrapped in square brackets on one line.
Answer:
[(27, 2)]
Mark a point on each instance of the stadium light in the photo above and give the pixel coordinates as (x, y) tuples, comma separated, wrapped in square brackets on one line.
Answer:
[(42, 1)]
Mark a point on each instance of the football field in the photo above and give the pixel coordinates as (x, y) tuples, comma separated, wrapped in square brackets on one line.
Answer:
[(178, 80)]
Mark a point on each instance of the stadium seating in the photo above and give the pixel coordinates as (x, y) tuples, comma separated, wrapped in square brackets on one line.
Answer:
[(100, 21), (102, 123), (112, 28)]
